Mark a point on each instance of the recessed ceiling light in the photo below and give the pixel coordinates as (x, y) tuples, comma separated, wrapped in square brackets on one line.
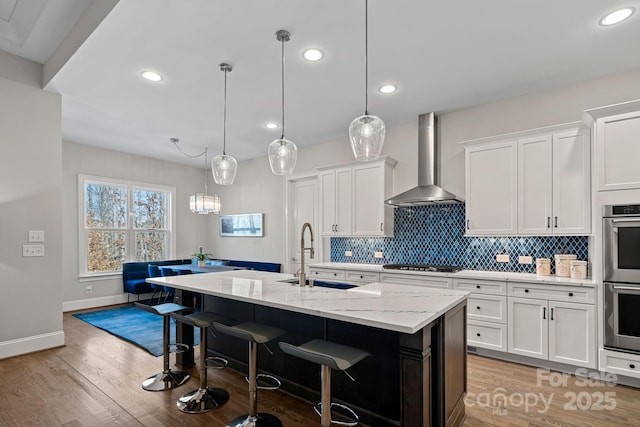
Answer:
[(151, 76), (617, 16), (388, 88), (313, 54), (271, 125)]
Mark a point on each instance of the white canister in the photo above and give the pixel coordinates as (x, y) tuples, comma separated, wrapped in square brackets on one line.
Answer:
[(543, 266), (578, 269), (563, 266)]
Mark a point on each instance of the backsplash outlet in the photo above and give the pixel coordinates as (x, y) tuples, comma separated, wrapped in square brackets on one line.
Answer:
[(435, 235)]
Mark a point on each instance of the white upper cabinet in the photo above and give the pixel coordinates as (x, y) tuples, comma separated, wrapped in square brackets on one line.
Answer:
[(491, 189), (535, 182), (554, 184), (617, 132), (352, 199)]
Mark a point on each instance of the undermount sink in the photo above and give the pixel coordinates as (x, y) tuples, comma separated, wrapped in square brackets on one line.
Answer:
[(322, 284)]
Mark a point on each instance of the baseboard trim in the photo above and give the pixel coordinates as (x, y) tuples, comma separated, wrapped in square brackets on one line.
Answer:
[(31, 344), (83, 304)]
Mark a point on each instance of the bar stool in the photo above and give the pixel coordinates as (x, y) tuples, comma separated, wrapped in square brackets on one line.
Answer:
[(329, 355), (254, 333), (204, 398), (168, 378)]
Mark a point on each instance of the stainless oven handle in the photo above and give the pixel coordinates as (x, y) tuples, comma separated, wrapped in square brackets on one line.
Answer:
[(626, 220), (631, 289)]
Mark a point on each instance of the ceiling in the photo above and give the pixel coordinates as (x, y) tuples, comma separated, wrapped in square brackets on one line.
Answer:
[(443, 55)]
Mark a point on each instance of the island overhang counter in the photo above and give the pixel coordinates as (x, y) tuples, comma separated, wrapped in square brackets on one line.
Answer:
[(416, 375)]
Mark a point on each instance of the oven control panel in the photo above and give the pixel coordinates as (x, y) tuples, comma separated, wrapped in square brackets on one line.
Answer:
[(621, 210)]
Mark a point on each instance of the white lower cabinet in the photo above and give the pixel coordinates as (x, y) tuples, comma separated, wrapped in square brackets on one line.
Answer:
[(558, 331), (326, 273), (620, 363), (486, 312), (362, 276), (415, 280)]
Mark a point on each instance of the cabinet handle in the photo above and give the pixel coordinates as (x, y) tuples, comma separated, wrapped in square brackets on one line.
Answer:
[(548, 222), (478, 308), (381, 226), (468, 226), (570, 294), (361, 276), (551, 313), (555, 222), (478, 334), (335, 274), (477, 286), (632, 366), (544, 312), (526, 291)]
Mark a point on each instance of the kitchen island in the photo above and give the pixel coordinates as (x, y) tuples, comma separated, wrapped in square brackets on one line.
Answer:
[(416, 336)]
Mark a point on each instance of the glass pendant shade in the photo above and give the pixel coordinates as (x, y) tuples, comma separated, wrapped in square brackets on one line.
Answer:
[(282, 156), (205, 204), (224, 169), (366, 134)]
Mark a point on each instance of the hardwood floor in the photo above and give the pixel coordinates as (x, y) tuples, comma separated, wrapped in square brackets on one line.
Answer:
[(95, 381)]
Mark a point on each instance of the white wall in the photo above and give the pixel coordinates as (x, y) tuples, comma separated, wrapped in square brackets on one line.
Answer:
[(30, 199), (191, 229)]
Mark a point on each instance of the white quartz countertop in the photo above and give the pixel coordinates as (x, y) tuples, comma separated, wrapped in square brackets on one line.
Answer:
[(399, 308), (464, 274)]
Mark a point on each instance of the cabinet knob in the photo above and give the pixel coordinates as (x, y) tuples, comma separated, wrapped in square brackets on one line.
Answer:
[(361, 276), (478, 308), (570, 294), (477, 286), (632, 366), (526, 291), (478, 334), (335, 274)]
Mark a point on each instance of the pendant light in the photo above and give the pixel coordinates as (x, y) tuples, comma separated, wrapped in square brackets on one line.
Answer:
[(282, 152), (201, 203), (366, 132), (224, 167)]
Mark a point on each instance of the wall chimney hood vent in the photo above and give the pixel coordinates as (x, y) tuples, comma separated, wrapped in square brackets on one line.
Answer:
[(427, 192)]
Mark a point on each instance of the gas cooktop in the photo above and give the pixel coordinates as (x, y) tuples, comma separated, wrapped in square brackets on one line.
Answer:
[(423, 267)]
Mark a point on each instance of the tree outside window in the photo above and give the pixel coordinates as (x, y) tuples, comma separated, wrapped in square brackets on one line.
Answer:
[(124, 223)]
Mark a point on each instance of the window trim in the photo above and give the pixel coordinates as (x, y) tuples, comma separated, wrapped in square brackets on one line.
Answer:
[(130, 230)]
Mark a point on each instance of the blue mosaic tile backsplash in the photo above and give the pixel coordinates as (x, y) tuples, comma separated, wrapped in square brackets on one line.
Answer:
[(434, 234)]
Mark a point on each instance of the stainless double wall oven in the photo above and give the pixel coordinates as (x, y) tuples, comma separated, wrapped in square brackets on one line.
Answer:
[(621, 267)]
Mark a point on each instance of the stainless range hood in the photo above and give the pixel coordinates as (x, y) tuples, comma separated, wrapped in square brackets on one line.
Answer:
[(427, 192)]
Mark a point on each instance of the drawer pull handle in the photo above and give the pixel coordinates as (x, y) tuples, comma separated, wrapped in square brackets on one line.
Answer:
[(361, 276), (526, 291), (478, 308), (335, 274), (477, 286), (478, 334), (570, 294), (632, 366)]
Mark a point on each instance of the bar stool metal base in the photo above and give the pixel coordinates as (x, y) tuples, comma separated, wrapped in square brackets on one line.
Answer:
[(261, 419), (202, 400), (349, 417), (165, 380)]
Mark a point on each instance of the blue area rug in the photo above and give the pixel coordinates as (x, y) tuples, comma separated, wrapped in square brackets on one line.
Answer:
[(139, 327)]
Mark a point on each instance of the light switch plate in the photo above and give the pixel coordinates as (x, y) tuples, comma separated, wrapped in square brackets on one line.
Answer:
[(32, 250), (377, 254), (36, 236), (502, 258), (525, 260), (348, 253)]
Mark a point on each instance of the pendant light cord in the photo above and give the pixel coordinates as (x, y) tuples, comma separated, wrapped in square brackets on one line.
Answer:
[(224, 123), (283, 41), (206, 164), (366, 54)]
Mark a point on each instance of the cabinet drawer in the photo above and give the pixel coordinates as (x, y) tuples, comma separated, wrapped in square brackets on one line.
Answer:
[(416, 280), (481, 286), (325, 273), (488, 308), (620, 363), (362, 276), (487, 335), (577, 294)]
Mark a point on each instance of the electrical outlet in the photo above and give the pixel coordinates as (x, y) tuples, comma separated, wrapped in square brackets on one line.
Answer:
[(36, 236), (502, 258), (377, 254), (32, 250), (88, 289), (525, 260), (348, 253)]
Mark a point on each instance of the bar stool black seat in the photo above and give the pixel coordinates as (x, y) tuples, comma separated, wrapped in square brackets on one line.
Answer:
[(168, 378), (254, 333), (204, 398), (329, 355)]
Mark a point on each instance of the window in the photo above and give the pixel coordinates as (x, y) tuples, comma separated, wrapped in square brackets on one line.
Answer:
[(122, 221)]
